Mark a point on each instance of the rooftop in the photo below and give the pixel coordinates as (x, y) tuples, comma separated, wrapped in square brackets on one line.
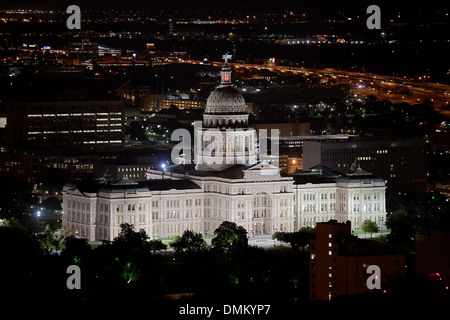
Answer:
[(317, 174), (66, 89), (232, 172)]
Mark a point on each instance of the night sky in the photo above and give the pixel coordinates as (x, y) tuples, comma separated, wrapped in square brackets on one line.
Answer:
[(325, 5)]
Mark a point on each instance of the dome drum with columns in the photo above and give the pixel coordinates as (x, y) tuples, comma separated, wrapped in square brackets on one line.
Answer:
[(226, 120)]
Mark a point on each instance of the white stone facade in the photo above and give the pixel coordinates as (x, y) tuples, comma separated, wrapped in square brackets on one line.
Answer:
[(261, 201), (355, 197), (261, 204)]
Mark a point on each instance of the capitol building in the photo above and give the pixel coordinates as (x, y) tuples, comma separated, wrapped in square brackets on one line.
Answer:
[(227, 182)]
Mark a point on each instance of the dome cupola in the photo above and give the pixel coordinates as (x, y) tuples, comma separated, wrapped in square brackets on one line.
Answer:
[(225, 105)]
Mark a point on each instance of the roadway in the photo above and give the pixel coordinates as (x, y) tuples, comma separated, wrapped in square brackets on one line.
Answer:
[(395, 89)]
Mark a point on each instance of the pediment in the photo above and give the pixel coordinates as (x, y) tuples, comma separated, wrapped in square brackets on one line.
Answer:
[(77, 192), (262, 166), (262, 170)]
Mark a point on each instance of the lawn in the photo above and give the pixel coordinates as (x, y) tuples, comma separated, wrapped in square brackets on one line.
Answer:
[(384, 231)]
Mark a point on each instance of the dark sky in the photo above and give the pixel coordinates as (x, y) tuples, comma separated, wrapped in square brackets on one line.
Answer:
[(150, 4), (224, 4)]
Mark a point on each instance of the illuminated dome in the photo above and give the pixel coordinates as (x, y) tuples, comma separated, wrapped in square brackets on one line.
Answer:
[(225, 100), (225, 105)]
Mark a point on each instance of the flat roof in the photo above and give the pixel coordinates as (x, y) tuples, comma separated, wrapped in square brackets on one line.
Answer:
[(97, 185)]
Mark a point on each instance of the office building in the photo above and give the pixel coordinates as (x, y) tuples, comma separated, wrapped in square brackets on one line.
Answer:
[(432, 254), (400, 162), (338, 262), (86, 125)]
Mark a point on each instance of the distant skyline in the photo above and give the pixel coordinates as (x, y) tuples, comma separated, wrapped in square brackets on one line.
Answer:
[(325, 5)]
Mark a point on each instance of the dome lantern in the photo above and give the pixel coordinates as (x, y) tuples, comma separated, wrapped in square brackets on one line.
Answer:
[(225, 73), (225, 100)]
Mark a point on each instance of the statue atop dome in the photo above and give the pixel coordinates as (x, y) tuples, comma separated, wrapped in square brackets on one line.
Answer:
[(226, 57)]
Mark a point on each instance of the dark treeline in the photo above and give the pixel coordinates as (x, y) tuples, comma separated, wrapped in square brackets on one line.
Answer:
[(132, 268)]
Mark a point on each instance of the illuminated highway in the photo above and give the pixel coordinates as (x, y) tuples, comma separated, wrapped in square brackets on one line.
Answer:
[(395, 89)]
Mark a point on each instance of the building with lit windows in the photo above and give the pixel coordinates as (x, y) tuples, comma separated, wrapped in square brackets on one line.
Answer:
[(38, 164), (139, 95), (84, 125), (322, 194), (400, 162), (338, 262), (157, 102)]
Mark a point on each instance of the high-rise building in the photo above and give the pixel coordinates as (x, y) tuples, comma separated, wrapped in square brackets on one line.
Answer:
[(87, 126), (41, 164), (400, 162), (290, 146), (432, 254), (339, 261)]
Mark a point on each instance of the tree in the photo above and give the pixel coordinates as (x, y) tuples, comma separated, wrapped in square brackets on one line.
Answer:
[(302, 237), (156, 245), (280, 236), (369, 226), (129, 254), (76, 249), (129, 238), (21, 257), (299, 238), (276, 235), (15, 201), (190, 241), (230, 237)]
